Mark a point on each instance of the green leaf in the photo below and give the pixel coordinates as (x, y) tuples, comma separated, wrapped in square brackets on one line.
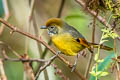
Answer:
[(99, 61), (101, 42), (114, 35), (105, 30), (104, 74), (93, 73), (105, 36), (109, 33), (96, 57), (104, 65), (98, 73)]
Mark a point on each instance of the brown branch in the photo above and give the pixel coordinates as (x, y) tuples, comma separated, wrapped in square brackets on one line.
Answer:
[(27, 65), (36, 30), (28, 27), (44, 66), (32, 5), (28, 69), (99, 18), (5, 57), (14, 29), (59, 72), (117, 64), (93, 13), (32, 20), (93, 40), (2, 72), (61, 8), (24, 60)]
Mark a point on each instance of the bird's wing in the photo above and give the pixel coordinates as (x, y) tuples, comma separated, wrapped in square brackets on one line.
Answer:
[(76, 34)]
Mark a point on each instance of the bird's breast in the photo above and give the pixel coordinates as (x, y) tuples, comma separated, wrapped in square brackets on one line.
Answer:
[(67, 44)]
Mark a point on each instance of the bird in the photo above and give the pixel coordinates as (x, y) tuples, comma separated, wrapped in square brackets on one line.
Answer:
[(68, 39)]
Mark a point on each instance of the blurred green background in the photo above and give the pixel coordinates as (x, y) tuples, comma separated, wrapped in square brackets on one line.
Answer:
[(44, 9)]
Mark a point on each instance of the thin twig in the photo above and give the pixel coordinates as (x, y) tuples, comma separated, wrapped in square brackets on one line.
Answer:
[(61, 8), (36, 30), (32, 5), (6, 58), (44, 66), (2, 72), (59, 72), (28, 27), (92, 54), (28, 69), (117, 65), (39, 47), (24, 60), (15, 29)]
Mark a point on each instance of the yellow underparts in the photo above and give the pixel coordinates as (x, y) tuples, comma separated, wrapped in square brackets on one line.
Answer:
[(67, 44)]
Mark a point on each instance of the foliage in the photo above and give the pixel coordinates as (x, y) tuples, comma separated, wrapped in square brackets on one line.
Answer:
[(97, 72), (102, 67), (114, 7), (105, 5), (109, 33), (96, 4)]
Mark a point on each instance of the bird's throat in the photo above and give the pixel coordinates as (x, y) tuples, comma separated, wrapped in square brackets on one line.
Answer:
[(51, 34)]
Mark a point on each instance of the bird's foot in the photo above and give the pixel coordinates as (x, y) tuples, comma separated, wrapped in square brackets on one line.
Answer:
[(83, 53), (73, 67), (58, 52)]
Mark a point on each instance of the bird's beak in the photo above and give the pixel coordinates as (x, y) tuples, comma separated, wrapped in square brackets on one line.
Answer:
[(43, 27)]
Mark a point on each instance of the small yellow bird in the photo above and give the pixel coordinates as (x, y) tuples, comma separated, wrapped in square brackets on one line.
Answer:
[(67, 39)]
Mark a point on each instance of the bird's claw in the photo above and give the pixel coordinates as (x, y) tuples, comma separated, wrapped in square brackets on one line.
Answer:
[(73, 67), (58, 52)]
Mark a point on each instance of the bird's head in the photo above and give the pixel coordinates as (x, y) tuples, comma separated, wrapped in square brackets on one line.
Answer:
[(53, 25)]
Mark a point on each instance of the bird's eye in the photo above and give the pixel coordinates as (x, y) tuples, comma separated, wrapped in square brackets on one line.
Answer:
[(51, 27)]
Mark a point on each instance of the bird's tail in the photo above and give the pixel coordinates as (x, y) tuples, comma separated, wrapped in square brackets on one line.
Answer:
[(101, 46)]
